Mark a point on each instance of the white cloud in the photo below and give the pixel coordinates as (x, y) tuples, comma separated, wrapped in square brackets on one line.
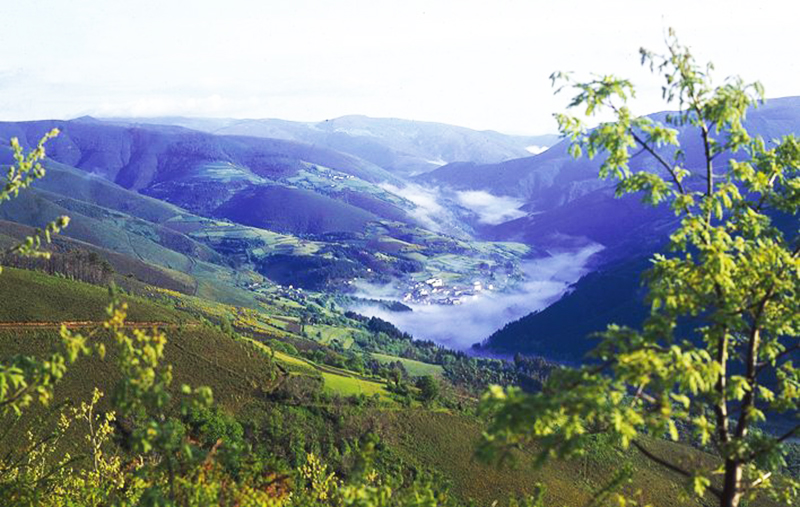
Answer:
[(491, 209), (428, 211), (536, 149)]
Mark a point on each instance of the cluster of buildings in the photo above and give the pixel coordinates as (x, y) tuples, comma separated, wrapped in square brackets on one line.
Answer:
[(433, 291), (278, 290), (291, 292), (335, 176)]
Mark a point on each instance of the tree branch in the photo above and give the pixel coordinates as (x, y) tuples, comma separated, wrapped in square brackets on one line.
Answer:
[(760, 367), (721, 407), (709, 161), (789, 434), (659, 158), (666, 464), (760, 480), (750, 396)]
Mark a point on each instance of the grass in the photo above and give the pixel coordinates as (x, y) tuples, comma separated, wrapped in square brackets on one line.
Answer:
[(225, 172), (294, 362), (328, 334), (142, 228), (237, 372), (217, 283), (413, 367), (30, 296), (262, 241), (321, 178), (446, 442), (349, 386), (337, 381), (125, 266), (392, 245), (78, 184)]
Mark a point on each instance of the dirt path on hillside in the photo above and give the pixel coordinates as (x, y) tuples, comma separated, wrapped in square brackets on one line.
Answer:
[(86, 324)]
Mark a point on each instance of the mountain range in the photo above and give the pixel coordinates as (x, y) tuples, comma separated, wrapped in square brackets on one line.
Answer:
[(328, 298), (227, 203), (403, 147)]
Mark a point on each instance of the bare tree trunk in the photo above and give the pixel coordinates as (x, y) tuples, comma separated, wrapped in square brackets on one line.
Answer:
[(732, 489)]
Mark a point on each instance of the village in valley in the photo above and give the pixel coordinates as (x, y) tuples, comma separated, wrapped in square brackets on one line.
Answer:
[(433, 291)]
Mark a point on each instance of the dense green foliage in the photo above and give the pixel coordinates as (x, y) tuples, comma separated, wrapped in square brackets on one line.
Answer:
[(731, 275)]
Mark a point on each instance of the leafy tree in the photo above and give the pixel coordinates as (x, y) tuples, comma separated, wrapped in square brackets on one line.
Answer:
[(428, 388), (714, 359)]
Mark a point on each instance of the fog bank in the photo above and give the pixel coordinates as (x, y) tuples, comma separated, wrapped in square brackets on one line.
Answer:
[(460, 326), (491, 209)]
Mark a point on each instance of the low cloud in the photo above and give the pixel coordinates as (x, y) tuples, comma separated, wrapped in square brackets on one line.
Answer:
[(458, 327), (431, 211), (536, 149), (368, 290), (491, 209), (428, 211)]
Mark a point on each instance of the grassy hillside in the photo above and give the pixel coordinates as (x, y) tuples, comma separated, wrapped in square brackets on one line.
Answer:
[(201, 172), (83, 186), (124, 266), (266, 207), (201, 356), (109, 229), (446, 442), (29, 296), (153, 243), (414, 368), (295, 405)]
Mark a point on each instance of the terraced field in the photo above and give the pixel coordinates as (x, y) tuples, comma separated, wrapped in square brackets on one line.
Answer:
[(413, 367), (336, 381)]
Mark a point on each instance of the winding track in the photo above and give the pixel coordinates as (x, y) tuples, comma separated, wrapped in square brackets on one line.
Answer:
[(82, 324)]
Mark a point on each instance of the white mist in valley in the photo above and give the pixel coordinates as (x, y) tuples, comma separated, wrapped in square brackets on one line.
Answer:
[(434, 205), (426, 201), (458, 327), (491, 209)]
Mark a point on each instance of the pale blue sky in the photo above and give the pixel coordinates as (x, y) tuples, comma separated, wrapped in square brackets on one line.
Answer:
[(479, 64)]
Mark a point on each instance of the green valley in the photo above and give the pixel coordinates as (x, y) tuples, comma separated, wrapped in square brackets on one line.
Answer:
[(202, 305)]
